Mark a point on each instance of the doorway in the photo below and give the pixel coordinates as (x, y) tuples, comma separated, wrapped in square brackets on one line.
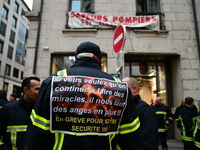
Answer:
[(153, 72)]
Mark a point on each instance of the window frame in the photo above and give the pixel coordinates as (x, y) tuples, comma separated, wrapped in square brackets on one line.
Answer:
[(12, 36), (3, 30), (4, 12), (8, 69), (16, 7), (61, 65), (82, 6), (147, 13), (10, 52), (14, 21), (8, 1), (146, 6), (1, 46), (16, 73)]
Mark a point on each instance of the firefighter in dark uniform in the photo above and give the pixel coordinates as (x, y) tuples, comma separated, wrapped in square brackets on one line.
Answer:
[(15, 116), (187, 118), (165, 118), (177, 112), (147, 116), (3, 97), (89, 100), (197, 133)]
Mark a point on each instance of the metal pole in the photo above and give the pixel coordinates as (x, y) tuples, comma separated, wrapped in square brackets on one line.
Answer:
[(196, 27)]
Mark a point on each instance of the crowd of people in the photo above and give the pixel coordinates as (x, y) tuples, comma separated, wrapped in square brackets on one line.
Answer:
[(84, 108)]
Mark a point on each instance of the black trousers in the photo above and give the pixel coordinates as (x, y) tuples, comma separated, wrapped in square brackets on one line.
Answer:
[(188, 145), (163, 138)]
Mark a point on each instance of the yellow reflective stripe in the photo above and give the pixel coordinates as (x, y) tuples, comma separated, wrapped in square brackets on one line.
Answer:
[(1, 143), (161, 112), (186, 138), (162, 130), (62, 73), (196, 126), (13, 132), (40, 121), (59, 138), (130, 127), (197, 144), (13, 140), (0, 106), (111, 136), (16, 128), (117, 147), (116, 79)]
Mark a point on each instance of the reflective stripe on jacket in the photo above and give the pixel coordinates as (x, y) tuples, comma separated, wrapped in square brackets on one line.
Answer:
[(196, 133), (40, 137), (14, 120), (163, 113), (187, 120)]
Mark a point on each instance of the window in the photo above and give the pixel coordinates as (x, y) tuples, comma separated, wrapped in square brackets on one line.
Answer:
[(82, 6), (1, 46), (16, 7), (3, 28), (12, 36), (16, 73), (8, 1), (5, 86), (22, 75), (60, 62), (148, 5), (8, 67), (4, 12), (21, 40), (10, 52), (14, 21)]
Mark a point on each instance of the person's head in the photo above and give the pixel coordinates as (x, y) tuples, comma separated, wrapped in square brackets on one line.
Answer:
[(30, 88), (132, 84), (3, 93), (88, 49), (189, 101), (13, 97), (198, 103), (158, 101), (183, 102)]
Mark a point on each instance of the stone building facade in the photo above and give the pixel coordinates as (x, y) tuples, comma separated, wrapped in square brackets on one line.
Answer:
[(165, 59)]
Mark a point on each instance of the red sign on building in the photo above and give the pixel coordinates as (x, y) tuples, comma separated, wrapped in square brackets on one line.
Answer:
[(119, 38)]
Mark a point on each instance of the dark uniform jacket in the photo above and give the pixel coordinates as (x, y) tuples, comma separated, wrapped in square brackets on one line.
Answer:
[(176, 116), (187, 118), (40, 136), (14, 118), (163, 113), (3, 101), (197, 132), (148, 124)]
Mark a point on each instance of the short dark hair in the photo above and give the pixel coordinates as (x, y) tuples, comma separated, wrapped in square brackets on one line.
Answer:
[(189, 100), (26, 82), (3, 93)]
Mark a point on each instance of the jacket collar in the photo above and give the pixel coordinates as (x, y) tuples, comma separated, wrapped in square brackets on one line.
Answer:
[(87, 62)]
